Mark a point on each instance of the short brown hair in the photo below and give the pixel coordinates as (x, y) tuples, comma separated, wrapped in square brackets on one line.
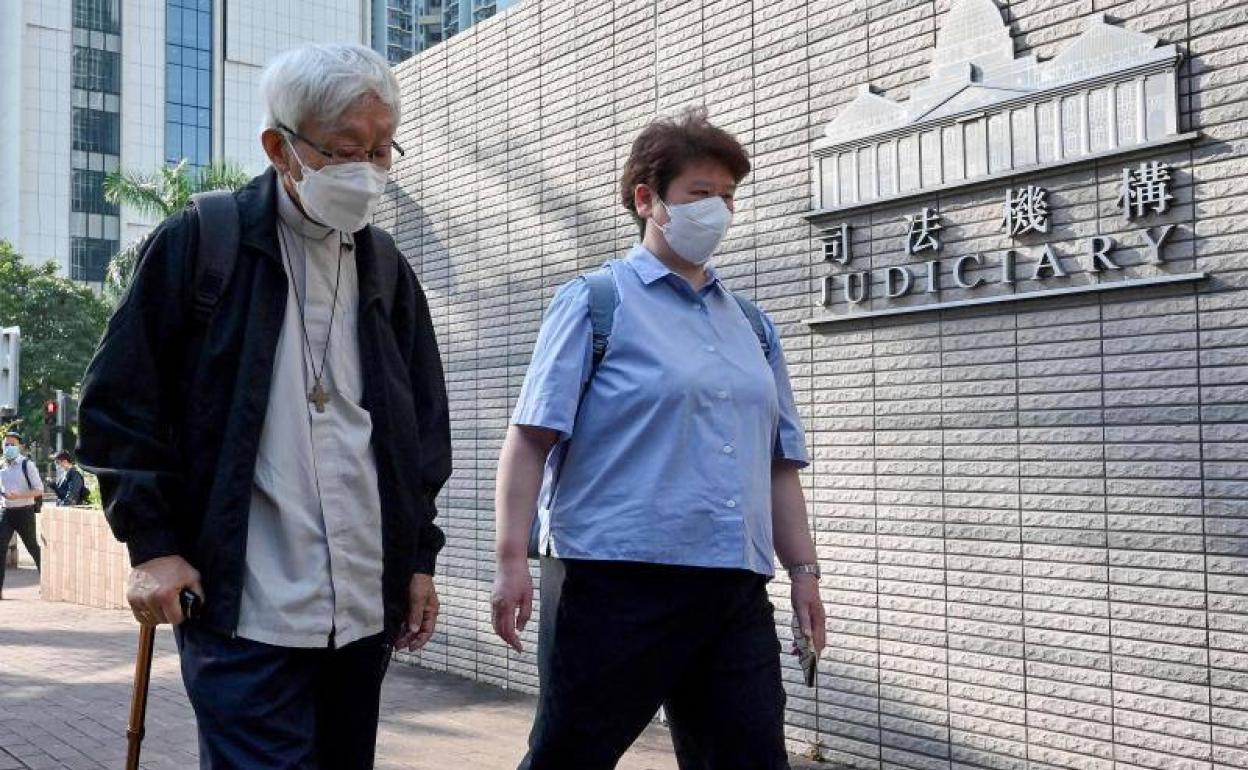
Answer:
[(667, 145)]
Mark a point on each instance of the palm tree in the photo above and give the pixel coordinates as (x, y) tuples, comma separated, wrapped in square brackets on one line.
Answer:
[(161, 194)]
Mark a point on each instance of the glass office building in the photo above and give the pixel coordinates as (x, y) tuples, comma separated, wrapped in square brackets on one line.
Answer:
[(188, 82), (404, 28), (95, 126), (103, 85)]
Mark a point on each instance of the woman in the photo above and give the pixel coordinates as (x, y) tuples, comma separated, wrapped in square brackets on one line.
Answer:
[(673, 477)]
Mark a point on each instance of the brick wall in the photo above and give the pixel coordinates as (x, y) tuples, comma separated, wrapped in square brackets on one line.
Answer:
[(82, 562), (1033, 516)]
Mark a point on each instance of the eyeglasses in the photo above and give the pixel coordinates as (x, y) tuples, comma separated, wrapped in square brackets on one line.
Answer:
[(350, 153)]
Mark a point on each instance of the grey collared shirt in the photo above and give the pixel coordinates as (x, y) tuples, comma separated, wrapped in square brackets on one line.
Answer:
[(314, 548)]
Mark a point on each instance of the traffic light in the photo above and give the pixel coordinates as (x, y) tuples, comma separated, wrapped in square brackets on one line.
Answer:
[(49, 412), (66, 409), (69, 413)]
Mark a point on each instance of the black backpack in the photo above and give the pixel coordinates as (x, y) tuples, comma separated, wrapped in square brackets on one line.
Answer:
[(84, 494), (219, 234)]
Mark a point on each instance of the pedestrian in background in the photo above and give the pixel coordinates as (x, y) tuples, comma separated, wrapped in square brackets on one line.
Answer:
[(665, 457), (22, 491), (70, 486)]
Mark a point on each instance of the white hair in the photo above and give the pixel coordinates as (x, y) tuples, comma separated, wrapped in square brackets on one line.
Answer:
[(322, 81)]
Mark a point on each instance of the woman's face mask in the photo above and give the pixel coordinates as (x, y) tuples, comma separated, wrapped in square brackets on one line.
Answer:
[(694, 230), (340, 195), (11, 451)]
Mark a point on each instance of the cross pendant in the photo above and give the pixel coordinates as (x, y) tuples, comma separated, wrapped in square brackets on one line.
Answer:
[(318, 397)]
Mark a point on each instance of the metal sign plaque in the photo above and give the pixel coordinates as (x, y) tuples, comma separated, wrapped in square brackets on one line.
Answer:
[(984, 114), (987, 119)]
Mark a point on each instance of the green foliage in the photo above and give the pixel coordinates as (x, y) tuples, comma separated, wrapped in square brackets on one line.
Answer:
[(93, 484), (168, 190), (161, 194), (121, 270), (61, 321)]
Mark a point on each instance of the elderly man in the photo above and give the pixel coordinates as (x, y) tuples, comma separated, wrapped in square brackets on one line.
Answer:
[(270, 431)]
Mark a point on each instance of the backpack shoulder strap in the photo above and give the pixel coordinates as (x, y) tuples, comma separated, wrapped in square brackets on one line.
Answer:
[(755, 317), (26, 473), (386, 257), (218, 248), (603, 297)]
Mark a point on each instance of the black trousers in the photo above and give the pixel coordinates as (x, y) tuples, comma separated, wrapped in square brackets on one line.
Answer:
[(630, 637), (21, 521), (260, 707)]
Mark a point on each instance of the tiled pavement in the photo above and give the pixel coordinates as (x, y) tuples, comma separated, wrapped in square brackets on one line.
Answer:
[(65, 674)]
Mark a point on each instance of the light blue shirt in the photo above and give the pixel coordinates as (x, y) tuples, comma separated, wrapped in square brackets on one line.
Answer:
[(668, 457), (20, 475)]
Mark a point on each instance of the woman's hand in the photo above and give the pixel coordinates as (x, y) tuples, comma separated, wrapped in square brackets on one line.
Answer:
[(808, 606), (512, 602)]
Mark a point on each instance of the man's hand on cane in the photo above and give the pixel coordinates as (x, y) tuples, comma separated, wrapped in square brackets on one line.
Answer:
[(155, 586)]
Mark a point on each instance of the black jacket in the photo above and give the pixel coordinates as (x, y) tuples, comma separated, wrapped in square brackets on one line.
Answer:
[(172, 409), (69, 491)]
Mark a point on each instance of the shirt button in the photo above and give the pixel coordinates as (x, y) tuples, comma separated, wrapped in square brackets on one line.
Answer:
[(710, 348), (730, 503), (727, 449), (696, 306), (722, 394)]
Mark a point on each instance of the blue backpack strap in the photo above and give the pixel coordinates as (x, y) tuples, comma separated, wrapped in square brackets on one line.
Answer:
[(755, 317), (603, 297)]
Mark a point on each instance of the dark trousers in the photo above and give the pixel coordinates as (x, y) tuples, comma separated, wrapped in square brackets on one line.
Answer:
[(21, 521), (630, 637), (261, 707)]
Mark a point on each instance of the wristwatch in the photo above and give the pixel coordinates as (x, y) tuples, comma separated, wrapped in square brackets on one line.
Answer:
[(805, 569)]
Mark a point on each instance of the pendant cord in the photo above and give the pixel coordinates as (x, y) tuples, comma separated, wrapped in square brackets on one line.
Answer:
[(303, 321)]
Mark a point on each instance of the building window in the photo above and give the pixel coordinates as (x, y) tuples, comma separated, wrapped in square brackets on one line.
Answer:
[(98, 15), (450, 19), (483, 11), (87, 193), (89, 258), (399, 20), (96, 70), (97, 131), (188, 82), (397, 53)]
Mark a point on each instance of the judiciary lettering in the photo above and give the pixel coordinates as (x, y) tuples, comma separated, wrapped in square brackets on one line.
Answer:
[(971, 271)]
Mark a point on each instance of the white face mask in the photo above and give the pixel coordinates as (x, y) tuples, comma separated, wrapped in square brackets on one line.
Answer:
[(694, 230), (340, 195)]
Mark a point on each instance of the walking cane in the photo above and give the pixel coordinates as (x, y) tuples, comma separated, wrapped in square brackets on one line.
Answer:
[(142, 677)]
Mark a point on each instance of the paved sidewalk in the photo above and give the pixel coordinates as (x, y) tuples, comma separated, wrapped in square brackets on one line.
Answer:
[(66, 671)]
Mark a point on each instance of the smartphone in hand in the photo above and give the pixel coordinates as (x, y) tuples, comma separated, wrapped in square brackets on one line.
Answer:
[(805, 653)]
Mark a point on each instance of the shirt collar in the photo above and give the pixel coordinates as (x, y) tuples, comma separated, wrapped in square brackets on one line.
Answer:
[(296, 219), (650, 268)]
